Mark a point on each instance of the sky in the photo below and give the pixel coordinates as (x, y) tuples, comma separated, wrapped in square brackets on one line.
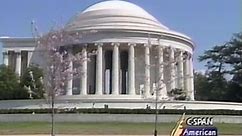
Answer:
[(207, 22)]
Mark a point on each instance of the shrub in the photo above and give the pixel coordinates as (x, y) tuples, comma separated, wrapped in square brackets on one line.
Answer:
[(121, 111)]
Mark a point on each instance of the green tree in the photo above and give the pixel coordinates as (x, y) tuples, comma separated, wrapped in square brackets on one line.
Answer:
[(224, 60), (216, 58), (234, 93), (235, 55), (9, 85), (202, 87), (218, 86), (210, 86), (32, 79), (235, 61)]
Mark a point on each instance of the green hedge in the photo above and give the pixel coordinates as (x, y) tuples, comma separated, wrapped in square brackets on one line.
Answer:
[(122, 111)]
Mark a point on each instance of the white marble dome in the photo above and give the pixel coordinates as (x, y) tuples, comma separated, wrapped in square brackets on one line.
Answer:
[(115, 14)]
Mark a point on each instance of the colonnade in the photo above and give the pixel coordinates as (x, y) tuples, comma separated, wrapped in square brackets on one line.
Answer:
[(15, 59), (180, 69), (180, 77)]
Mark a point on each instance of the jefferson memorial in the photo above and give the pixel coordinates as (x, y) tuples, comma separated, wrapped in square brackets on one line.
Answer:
[(136, 56)]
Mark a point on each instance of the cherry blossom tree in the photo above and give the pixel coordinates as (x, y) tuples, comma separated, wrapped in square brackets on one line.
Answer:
[(55, 49)]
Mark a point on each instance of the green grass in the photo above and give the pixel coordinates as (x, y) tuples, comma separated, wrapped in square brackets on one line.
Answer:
[(102, 128), (229, 129)]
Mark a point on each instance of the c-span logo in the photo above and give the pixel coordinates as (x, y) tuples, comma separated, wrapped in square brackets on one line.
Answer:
[(195, 126)]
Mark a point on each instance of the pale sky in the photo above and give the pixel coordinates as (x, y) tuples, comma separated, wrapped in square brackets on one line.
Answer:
[(207, 22)]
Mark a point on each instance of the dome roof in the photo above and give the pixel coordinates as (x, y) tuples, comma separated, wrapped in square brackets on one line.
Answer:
[(115, 14)]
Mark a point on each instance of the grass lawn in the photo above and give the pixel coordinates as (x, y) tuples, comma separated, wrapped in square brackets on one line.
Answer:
[(102, 128)]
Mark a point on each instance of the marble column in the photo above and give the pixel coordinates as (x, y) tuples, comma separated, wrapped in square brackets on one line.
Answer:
[(172, 69), (147, 71), (69, 79), (115, 69), (99, 70), (191, 92), (30, 53), (5, 58), (18, 63), (186, 75), (131, 70), (180, 71), (83, 90), (161, 85)]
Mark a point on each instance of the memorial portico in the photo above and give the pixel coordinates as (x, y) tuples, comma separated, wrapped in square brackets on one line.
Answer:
[(14, 59), (120, 82), (135, 55)]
